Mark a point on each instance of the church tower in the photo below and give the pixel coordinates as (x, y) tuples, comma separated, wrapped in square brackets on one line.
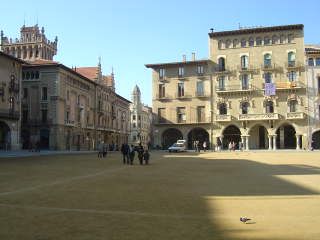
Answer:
[(32, 45), (136, 97)]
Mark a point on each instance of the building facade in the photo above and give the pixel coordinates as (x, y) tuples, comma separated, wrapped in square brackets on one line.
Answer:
[(10, 107), (254, 92), (313, 76), (141, 121)]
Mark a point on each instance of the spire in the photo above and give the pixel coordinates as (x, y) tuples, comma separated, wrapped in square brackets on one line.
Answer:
[(99, 71)]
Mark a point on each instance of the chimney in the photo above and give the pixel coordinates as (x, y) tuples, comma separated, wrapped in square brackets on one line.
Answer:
[(193, 56), (184, 58)]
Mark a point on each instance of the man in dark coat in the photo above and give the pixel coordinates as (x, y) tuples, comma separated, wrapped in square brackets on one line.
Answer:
[(140, 154), (125, 153)]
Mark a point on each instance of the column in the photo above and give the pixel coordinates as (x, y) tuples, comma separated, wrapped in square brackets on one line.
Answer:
[(274, 142), (243, 142), (270, 142), (247, 143), (221, 141), (298, 142)]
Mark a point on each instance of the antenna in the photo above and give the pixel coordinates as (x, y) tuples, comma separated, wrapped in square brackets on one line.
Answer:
[(37, 20)]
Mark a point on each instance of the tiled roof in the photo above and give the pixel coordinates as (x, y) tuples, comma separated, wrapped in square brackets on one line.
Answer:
[(88, 72)]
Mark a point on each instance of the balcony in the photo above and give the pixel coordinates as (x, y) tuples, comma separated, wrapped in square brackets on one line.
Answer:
[(193, 119), (182, 97), (262, 116), (223, 118), (69, 123), (294, 65), (163, 79), (90, 126), (221, 70), (248, 69), (288, 85), (201, 94), (235, 88), (161, 97), (295, 115), (270, 67)]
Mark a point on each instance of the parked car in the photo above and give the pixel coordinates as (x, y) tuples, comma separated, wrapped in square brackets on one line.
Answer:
[(177, 147)]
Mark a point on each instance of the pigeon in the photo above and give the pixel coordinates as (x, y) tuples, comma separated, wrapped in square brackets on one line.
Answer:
[(244, 219)]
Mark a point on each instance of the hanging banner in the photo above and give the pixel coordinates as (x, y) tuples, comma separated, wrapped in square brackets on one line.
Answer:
[(269, 89)]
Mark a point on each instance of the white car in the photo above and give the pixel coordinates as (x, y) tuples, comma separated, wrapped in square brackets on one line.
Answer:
[(177, 147)]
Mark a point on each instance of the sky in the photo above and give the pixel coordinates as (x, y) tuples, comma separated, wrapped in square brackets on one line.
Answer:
[(129, 34)]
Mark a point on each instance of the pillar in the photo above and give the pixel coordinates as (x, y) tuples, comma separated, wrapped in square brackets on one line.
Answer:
[(274, 142), (247, 142), (270, 142), (243, 142), (298, 142)]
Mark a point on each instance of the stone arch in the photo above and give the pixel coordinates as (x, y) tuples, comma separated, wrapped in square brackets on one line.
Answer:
[(286, 136), (258, 136), (5, 136), (315, 139), (44, 138), (197, 134), (231, 133), (170, 136)]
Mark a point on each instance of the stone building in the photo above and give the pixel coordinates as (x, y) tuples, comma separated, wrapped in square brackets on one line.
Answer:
[(254, 92), (62, 107), (313, 76), (10, 110), (141, 120)]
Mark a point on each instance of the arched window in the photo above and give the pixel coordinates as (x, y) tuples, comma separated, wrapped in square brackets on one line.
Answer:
[(293, 105), (274, 39), (267, 60), (235, 43), (244, 62), (251, 42), (243, 42), (220, 44), (228, 43), (310, 62), (266, 40), (290, 38), (223, 109), (258, 41), (244, 108), (222, 64), (269, 107), (291, 59), (244, 81), (282, 39)]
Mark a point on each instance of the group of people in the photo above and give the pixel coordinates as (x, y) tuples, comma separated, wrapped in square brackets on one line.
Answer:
[(232, 146), (128, 154), (102, 150), (197, 146)]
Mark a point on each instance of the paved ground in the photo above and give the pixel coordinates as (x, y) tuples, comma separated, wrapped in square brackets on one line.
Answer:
[(178, 196)]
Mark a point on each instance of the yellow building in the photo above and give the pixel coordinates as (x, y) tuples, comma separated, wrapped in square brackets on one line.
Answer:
[(254, 92)]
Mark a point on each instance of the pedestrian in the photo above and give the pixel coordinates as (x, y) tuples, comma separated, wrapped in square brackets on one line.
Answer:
[(125, 151), (230, 146), (100, 149), (132, 154), (204, 146), (146, 157), (104, 150), (233, 146), (140, 154)]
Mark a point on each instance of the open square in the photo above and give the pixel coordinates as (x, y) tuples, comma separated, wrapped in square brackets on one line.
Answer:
[(178, 196)]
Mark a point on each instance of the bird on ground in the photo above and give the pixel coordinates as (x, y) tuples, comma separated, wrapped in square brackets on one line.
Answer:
[(244, 219)]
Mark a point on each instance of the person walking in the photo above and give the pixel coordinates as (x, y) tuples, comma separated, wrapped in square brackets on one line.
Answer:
[(132, 154), (204, 146), (100, 149), (125, 151), (230, 146), (140, 154), (146, 156), (104, 150)]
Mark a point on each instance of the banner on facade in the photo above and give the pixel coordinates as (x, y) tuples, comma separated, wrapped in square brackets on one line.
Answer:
[(269, 89)]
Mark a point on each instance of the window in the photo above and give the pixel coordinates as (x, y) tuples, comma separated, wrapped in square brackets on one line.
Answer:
[(162, 73), (267, 40), (220, 44), (44, 94), (269, 107), (134, 125), (44, 113), (268, 77), (134, 138), (251, 42), (243, 42), (291, 59), (32, 75), (68, 95), (27, 75), (274, 39), (267, 60), (292, 76), (293, 106), (180, 89), (25, 93), (310, 62), (181, 114), (133, 117), (244, 108), (162, 91), (258, 41), (228, 43), (139, 117), (244, 81), (221, 82), (181, 71), (235, 43), (67, 116), (200, 69), (223, 109), (244, 62), (317, 61), (222, 65), (201, 114), (23, 75), (200, 91), (282, 39), (290, 38), (25, 116)]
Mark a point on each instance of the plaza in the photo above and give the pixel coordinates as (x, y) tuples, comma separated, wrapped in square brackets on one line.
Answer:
[(178, 196)]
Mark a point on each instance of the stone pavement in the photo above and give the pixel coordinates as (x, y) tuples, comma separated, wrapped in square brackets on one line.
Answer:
[(26, 153)]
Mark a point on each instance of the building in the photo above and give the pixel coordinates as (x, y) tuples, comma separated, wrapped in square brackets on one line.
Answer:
[(313, 76), (10, 107), (254, 92), (65, 108), (141, 120)]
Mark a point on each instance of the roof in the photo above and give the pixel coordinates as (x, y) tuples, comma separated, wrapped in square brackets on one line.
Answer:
[(42, 61), (108, 80), (12, 57), (122, 98), (155, 65), (312, 49), (257, 30), (88, 72)]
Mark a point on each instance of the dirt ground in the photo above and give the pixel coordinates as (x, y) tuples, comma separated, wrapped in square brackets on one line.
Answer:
[(177, 196)]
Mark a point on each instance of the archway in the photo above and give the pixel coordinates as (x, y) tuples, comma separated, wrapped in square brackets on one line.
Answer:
[(25, 137), (286, 137), (258, 137), (231, 134), (170, 136), (5, 136), (197, 134), (316, 140), (44, 138)]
